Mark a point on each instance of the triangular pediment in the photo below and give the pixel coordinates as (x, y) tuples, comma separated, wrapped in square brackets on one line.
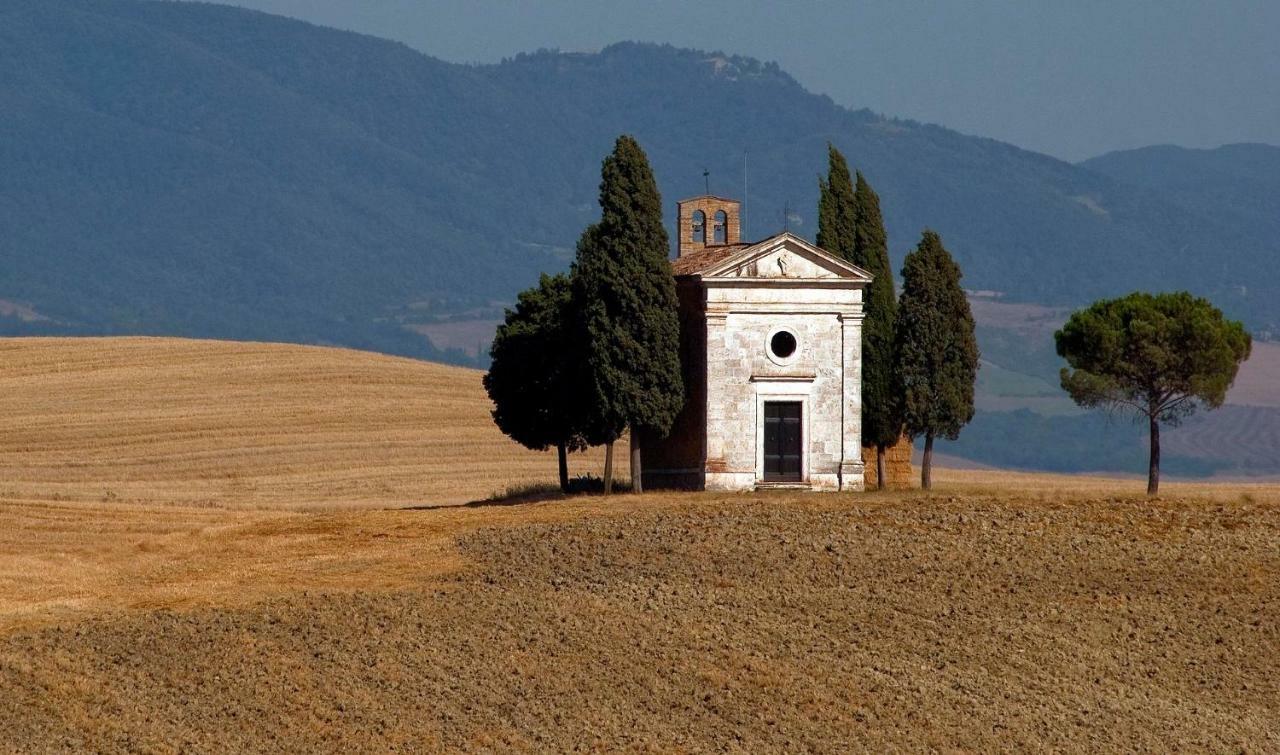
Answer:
[(785, 257)]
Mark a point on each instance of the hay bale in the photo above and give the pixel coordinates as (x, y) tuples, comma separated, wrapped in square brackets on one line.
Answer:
[(897, 465)]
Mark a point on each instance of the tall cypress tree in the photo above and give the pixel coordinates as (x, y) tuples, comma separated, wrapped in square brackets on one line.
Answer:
[(837, 208), (937, 352), (881, 407), (626, 299), (850, 226)]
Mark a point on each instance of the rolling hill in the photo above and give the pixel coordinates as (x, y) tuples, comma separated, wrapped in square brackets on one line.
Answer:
[(198, 170), (1238, 184), (249, 425)]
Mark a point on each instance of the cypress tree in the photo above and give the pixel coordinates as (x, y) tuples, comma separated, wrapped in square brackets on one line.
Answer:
[(530, 378), (881, 407), (626, 300), (837, 208), (937, 351), (851, 227)]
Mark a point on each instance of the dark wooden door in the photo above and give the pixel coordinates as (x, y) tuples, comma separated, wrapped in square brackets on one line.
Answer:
[(782, 441)]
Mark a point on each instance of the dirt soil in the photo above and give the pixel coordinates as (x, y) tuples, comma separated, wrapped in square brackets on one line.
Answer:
[(700, 623)]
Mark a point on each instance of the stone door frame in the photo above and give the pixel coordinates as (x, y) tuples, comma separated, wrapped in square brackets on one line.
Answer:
[(798, 390)]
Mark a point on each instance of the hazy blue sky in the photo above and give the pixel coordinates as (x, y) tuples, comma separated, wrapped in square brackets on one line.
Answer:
[(1072, 78)]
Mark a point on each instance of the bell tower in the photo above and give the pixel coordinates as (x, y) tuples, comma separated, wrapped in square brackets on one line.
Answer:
[(708, 221)]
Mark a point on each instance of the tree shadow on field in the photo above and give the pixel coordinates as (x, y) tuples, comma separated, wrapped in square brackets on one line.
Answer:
[(540, 492)]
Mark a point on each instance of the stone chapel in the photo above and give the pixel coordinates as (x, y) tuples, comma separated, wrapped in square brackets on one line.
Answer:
[(771, 349)]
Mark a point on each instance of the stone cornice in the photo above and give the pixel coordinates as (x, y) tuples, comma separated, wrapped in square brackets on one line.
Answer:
[(794, 378), (822, 283), (724, 309)]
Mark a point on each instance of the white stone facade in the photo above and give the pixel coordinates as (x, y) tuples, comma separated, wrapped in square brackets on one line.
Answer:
[(741, 300)]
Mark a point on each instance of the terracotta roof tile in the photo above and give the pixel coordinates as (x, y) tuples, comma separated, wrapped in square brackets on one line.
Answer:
[(696, 262)]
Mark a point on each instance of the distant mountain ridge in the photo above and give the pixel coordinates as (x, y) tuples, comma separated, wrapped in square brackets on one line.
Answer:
[(1236, 184), (200, 170)]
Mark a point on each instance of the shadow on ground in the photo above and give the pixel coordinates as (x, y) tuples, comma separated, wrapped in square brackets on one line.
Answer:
[(535, 493)]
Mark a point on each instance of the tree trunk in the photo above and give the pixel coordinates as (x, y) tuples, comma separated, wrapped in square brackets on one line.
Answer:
[(636, 485), (608, 468), (563, 453), (926, 464), (879, 466), (1153, 470)]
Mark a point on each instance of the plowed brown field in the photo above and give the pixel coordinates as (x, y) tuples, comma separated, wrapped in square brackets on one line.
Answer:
[(231, 568)]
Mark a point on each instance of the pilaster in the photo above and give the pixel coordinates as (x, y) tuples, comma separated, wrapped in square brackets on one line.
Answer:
[(852, 470)]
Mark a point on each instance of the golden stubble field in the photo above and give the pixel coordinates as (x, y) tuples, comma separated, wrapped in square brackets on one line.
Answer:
[(248, 425), (225, 547)]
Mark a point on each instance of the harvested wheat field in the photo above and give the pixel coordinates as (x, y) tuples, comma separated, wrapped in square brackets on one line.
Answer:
[(1008, 612), (249, 425)]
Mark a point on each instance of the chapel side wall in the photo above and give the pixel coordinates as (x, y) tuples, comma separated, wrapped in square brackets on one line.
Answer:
[(676, 461)]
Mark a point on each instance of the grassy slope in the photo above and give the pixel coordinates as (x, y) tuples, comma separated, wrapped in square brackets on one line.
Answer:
[(247, 425), (978, 617)]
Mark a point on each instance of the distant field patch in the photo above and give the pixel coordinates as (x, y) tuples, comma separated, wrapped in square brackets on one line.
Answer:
[(996, 380), (1028, 319), (471, 337), (20, 311), (1246, 437), (1258, 383)]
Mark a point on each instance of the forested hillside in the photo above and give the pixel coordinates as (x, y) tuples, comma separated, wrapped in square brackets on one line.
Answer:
[(201, 170), (1237, 184)]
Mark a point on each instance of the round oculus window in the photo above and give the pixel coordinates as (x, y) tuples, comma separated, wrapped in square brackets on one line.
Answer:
[(782, 344)]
